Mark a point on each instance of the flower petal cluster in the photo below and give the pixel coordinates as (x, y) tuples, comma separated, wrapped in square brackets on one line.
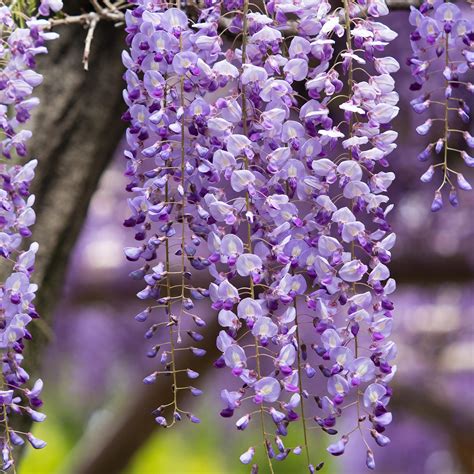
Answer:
[(345, 242), (443, 46), (172, 72), (21, 44), (280, 198)]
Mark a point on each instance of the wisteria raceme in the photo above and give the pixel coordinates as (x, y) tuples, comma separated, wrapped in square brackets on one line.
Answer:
[(171, 71), (22, 41), (352, 304), (259, 146), (295, 219), (443, 42)]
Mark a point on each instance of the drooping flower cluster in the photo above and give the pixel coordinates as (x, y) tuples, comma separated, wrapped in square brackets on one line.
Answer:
[(171, 74), (287, 192), (443, 42), (18, 78)]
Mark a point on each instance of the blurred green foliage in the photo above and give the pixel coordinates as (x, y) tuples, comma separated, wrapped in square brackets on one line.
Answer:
[(186, 449)]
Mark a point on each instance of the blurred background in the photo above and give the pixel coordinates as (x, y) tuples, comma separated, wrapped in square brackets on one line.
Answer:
[(99, 418)]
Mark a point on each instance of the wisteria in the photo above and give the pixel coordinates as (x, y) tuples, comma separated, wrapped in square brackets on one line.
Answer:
[(443, 43), (168, 78), (258, 159), (23, 39), (353, 310), (289, 201), (299, 245)]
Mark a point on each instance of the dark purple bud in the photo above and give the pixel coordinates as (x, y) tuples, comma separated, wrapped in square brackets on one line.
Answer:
[(198, 321), (142, 317), (6, 397), (277, 416), (453, 197), (153, 352), (463, 183), (292, 415), (282, 429), (370, 461), (188, 303), (35, 415), (194, 419), (297, 450), (16, 439), (338, 448), (423, 156), (192, 374), (161, 420), (437, 203), (380, 439), (197, 351), (310, 371), (329, 422), (149, 379), (227, 413), (269, 448), (195, 336), (282, 456), (243, 422), (427, 176), (35, 442), (280, 445)]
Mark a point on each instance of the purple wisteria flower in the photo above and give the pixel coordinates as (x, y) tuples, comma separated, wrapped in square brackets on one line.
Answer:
[(289, 198), (443, 39), (170, 78), (21, 43)]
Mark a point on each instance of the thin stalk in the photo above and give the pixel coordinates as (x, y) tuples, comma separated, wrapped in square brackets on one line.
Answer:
[(446, 117), (183, 198), (245, 11), (7, 427), (169, 306), (350, 124), (300, 385), (173, 349)]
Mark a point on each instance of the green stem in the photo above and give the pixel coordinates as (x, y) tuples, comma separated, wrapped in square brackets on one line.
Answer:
[(300, 384), (248, 207), (168, 309), (446, 118), (350, 124)]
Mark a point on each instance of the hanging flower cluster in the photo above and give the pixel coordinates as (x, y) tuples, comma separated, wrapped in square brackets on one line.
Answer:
[(289, 194), (353, 309), (443, 42), (22, 40), (170, 77)]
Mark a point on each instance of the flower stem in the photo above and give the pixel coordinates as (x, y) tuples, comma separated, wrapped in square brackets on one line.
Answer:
[(245, 11), (300, 385)]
